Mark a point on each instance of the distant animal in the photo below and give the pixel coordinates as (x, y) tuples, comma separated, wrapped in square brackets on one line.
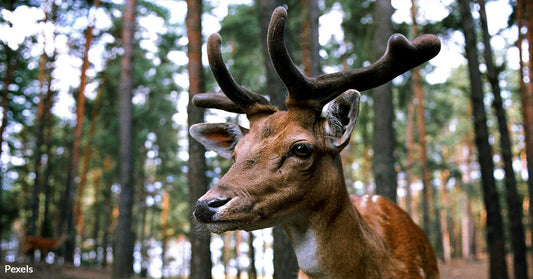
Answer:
[(44, 245), (287, 169)]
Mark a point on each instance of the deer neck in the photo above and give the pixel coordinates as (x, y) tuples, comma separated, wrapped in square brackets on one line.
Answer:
[(334, 241)]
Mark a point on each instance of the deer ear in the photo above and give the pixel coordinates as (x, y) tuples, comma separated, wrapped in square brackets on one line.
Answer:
[(340, 119), (218, 137)]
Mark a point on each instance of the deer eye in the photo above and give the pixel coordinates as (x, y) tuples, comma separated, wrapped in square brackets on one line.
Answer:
[(302, 150)]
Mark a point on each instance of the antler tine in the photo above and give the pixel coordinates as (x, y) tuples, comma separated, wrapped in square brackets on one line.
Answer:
[(294, 80), (239, 95), (401, 55), (217, 101)]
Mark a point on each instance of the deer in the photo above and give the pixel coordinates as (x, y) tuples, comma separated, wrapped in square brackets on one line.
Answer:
[(44, 245), (287, 169)]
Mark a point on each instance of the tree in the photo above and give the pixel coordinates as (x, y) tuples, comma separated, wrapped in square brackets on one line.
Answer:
[(123, 258), (67, 222), (384, 138), (494, 225), (310, 42), (514, 201), (198, 185)]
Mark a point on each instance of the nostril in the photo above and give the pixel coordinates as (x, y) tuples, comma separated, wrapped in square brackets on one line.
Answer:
[(215, 203)]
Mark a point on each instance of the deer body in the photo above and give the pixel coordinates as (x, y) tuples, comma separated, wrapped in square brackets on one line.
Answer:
[(287, 169), (44, 245)]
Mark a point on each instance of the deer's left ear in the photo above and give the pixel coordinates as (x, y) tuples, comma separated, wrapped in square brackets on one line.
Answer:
[(340, 119), (218, 137)]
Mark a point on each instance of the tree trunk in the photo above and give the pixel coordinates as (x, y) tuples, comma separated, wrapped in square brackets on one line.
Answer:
[(97, 214), (198, 185), (66, 216), (494, 224), (514, 201), (310, 44), (527, 97), (39, 132), (123, 260), (46, 226), (446, 248), (252, 271), (164, 227), (418, 92), (274, 86), (410, 159), (285, 262), (78, 209), (384, 138)]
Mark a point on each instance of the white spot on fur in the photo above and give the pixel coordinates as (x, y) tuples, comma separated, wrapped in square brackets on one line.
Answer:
[(375, 199)]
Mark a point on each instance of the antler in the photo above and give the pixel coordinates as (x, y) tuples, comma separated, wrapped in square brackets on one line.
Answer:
[(237, 98), (401, 55)]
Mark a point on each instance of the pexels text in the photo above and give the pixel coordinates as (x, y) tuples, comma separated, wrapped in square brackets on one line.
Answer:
[(18, 269)]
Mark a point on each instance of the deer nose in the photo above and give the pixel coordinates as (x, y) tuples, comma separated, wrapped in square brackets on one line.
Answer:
[(205, 209)]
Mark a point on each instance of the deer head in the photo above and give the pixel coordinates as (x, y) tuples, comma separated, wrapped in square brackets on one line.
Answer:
[(287, 164)]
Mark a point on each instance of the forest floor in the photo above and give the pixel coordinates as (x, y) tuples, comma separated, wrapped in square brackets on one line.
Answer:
[(454, 269)]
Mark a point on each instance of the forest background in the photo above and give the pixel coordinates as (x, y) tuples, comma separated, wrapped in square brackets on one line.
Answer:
[(95, 115)]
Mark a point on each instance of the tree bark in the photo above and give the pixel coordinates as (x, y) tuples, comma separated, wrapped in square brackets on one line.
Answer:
[(252, 271), (310, 44), (527, 96), (198, 185), (164, 236), (514, 201), (66, 216), (124, 235), (494, 224), (384, 138), (427, 201)]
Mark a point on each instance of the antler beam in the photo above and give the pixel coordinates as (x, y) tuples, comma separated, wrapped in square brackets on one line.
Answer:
[(400, 56)]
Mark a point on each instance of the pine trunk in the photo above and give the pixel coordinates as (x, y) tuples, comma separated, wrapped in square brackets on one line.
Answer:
[(68, 195), (409, 161), (514, 201), (494, 224), (527, 100), (123, 258), (310, 44), (198, 184), (384, 138), (252, 271), (164, 236)]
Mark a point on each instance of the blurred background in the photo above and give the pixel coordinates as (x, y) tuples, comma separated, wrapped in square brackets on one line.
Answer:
[(99, 177)]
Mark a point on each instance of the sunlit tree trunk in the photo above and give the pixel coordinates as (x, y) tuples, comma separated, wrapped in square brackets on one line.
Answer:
[(68, 195), (446, 248), (226, 253), (514, 201), (123, 257), (310, 44), (198, 185), (164, 236), (494, 224), (78, 208), (384, 138), (97, 213), (427, 200)]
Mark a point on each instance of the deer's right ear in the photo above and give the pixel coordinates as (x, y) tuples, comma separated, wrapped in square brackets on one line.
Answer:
[(218, 137)]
